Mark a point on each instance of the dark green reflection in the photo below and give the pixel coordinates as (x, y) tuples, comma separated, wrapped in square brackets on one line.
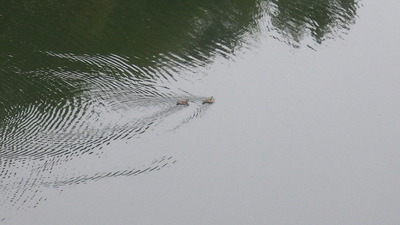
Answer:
[(157, 38), (297, 19), (141, 28)]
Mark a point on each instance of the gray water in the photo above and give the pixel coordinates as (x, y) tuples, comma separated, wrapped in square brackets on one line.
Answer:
[(304, 129)]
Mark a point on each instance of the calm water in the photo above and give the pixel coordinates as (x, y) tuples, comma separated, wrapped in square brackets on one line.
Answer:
[(305, 127)]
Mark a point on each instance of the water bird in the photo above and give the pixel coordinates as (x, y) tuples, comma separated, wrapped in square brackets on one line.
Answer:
[(209, 100), (183, 102)]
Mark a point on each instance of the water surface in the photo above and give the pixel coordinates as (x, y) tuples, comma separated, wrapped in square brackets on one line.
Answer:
[(304, 128)]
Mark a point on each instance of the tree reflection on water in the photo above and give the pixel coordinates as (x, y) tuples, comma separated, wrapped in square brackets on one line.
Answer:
[(158, 39), (321, 20)]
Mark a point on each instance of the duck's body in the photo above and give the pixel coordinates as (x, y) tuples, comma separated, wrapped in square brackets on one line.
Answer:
[(209, 100), (183, 102)]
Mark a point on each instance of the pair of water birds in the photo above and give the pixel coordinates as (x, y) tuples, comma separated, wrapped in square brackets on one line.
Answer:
[(209, 100)]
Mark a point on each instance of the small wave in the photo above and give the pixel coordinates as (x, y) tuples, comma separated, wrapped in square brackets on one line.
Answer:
[(46, 142)]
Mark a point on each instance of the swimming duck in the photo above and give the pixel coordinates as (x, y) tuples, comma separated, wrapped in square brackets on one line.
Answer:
[(183, 102), (209, 100)]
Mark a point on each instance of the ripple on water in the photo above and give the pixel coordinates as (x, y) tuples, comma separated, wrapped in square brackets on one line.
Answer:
[(48, 143), (75, 113)]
